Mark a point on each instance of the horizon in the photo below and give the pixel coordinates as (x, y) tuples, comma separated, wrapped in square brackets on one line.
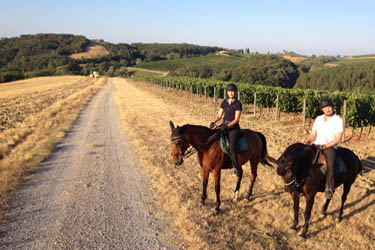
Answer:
[(335, 28)]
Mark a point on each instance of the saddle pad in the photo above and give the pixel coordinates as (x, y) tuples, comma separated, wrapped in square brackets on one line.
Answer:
[(240, 146), (340, 166)]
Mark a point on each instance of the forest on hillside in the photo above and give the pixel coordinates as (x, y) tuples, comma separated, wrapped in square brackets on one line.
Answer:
[(37, 55), (48, 54), (164, 51), (268, 70), (354, 77)]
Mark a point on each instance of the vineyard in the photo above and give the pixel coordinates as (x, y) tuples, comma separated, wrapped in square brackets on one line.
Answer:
[(261, 223), (358, 110)]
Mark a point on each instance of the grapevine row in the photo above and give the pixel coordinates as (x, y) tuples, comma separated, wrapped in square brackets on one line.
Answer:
[(360, 109)]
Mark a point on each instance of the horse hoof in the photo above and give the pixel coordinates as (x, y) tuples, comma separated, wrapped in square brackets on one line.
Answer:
[(322, 215), (302, 238), (216, 210), (235, 200), (292, 231), (338, 219)]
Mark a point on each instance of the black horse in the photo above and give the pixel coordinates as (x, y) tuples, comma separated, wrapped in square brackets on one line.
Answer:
[(302, 173)]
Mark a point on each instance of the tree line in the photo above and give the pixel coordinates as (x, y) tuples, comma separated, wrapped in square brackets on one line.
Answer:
[(48, 54), (164, 51), (268, 70), (355, 77)]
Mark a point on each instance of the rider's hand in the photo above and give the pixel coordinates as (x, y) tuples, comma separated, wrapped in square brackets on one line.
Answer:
[(212, 125), (322, 147), (223, 126)]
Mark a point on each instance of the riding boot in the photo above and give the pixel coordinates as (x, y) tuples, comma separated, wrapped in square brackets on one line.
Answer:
[(234, 159), (330, 154)]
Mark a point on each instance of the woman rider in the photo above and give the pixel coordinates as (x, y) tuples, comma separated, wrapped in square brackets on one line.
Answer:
[(231, 109)]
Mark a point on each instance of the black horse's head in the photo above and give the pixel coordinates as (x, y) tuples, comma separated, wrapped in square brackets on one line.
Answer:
[(294, 165), (179, 145)]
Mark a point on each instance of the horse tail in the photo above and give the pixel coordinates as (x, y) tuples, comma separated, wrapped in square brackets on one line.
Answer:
[(359, 166), (265, 158)]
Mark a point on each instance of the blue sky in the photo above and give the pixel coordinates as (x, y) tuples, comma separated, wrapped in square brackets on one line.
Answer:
[(308, 27)]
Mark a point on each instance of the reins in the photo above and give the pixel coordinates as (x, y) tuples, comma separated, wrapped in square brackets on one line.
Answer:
[(316, 157), (191, 150)]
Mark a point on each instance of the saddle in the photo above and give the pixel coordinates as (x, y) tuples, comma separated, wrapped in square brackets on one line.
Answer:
[(240, 146), (340, 166)]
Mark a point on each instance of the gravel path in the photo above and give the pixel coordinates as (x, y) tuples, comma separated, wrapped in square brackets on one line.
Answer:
[(89, 194)]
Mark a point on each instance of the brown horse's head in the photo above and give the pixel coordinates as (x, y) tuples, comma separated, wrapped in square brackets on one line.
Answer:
[(179, 145), (294, 165)]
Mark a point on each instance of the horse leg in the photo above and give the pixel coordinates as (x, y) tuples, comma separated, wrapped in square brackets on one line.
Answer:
[(309, 206), (253, 176), (217, 176), (205, 175), (343, 199), (323, 213), (238, 185), (293, 228)]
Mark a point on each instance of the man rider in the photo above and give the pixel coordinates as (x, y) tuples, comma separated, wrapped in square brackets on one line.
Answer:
[(327, 132)]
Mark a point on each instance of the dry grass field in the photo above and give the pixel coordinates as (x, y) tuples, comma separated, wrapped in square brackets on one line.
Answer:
[(34, 116), (262, 223), (92, 51), (295, 59)]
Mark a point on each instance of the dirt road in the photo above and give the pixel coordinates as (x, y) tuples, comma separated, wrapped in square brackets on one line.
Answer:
[(88, 194)]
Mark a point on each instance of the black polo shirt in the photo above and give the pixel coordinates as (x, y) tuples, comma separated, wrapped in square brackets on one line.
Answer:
[(230, 110)]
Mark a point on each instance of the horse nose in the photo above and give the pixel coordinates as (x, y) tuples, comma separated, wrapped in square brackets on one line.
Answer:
[(179, 163)]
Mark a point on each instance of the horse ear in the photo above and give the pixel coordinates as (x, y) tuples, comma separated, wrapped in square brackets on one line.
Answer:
[(171, 124)]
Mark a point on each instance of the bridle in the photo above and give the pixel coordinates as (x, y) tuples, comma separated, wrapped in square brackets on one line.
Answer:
[(295, 185), (188, 152), (190, 149)]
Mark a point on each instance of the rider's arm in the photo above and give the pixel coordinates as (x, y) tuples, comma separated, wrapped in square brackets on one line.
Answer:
[(236, 120), (312, 136), (335, 141), (219, 115)]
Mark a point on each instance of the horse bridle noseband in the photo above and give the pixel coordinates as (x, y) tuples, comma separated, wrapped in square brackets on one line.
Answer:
[(189, 151), (296, 185), (294, 180)]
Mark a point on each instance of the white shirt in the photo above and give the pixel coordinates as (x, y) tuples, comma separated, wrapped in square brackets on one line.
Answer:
[(326, 130)]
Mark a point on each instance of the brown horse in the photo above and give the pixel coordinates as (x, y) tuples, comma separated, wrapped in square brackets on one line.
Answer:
[(211, 157), (302, 174)]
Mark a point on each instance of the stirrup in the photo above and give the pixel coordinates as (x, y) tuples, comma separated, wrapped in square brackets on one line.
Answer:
[(234, 171), (328, 193)]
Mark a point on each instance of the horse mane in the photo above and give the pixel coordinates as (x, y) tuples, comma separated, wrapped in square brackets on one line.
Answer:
[(188, 126), (202, 136)]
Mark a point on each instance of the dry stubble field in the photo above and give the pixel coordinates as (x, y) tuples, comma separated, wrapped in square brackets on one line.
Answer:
[(262, 223), (34, 115)]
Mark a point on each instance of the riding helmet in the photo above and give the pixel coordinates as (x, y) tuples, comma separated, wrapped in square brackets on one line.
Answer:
[(325, 102), (231, 87)]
